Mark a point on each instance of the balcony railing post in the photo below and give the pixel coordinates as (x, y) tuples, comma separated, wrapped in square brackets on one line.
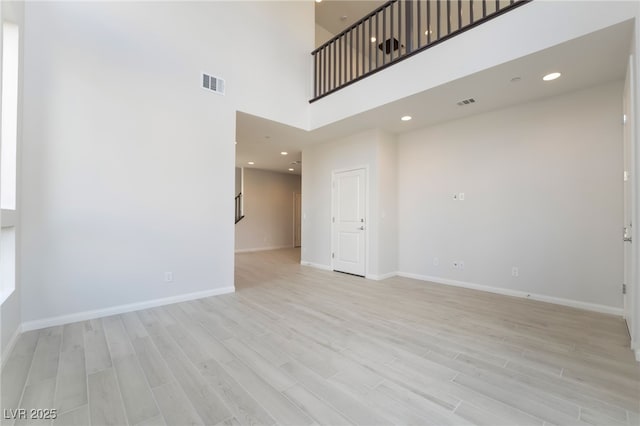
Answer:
[(375, 46), (315, 75), (392, 35), (334, 66), (429, 22), (448, 17), (438, 19), (384, 34), (400, 32), (470, 12), (408, 6), (419, 15)]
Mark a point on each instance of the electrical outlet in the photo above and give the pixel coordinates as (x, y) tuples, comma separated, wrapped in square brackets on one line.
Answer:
[(461, 265), (461, 196), (436, 261), (515, 272), (168, 277)]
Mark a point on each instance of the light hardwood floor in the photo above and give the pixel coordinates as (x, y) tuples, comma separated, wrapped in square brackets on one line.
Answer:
[(299, 346)]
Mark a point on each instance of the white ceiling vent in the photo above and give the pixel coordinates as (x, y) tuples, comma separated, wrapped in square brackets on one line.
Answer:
[(212, 83), (466, 102)]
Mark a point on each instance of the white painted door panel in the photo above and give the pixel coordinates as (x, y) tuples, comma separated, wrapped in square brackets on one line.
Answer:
[(349, 221)]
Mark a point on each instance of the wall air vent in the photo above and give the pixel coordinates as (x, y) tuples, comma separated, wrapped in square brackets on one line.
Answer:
[(215, 84), (466, 102)]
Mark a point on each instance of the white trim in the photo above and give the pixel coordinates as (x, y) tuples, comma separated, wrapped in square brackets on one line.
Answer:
[(635, 348), (517, 293), (10, 345), (114, 310), (251, 250), (316, 265), (380, 277)]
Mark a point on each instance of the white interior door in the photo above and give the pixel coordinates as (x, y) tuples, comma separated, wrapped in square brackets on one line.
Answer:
[(628, 200), (297, 210), (349, 221)]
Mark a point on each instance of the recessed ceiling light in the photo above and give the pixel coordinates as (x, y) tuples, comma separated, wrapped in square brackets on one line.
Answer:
[(551, 76), (318, 1), (290, 169), (284, 153), (373, 39), (406, 118), (251, 163)]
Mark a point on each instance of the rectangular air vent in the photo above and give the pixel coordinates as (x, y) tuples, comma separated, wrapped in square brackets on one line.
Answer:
[(466, 102), (215, 84)]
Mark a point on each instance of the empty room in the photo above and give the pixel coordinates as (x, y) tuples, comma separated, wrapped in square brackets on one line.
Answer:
[(436, 208)]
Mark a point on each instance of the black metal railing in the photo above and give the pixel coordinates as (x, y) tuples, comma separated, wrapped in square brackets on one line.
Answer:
[(239, 214), (395, 31)]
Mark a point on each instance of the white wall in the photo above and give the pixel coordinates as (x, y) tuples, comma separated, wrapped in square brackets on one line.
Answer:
[(361, 150), (543, 192), (128, 165), (10, 310), (268, 209), (238, 180), (533, 27), (388, 204), (322, 35)]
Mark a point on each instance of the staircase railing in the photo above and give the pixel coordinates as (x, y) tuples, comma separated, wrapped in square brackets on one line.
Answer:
[(239, 214), (395, 31)]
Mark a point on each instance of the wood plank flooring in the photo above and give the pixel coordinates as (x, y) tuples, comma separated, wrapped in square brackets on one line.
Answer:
[(299, 346)]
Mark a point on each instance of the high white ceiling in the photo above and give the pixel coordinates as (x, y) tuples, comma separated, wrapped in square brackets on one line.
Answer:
[(586, 61), (336, 15)]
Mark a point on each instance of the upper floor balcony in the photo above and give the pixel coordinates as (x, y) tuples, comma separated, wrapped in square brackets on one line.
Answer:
[(396, 30)]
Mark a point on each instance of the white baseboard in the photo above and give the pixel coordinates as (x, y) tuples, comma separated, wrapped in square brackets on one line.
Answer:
[(517, 293), (10, 345), (120, 309), (316, 265), (635, 347), (381, 277), (251, 250)]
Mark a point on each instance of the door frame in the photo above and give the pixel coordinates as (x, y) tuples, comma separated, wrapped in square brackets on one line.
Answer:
[(297, 220), (633, 292), (367, 210), (628, 304)]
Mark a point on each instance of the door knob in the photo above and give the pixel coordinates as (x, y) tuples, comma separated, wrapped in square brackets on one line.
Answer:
[(361, 228)]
